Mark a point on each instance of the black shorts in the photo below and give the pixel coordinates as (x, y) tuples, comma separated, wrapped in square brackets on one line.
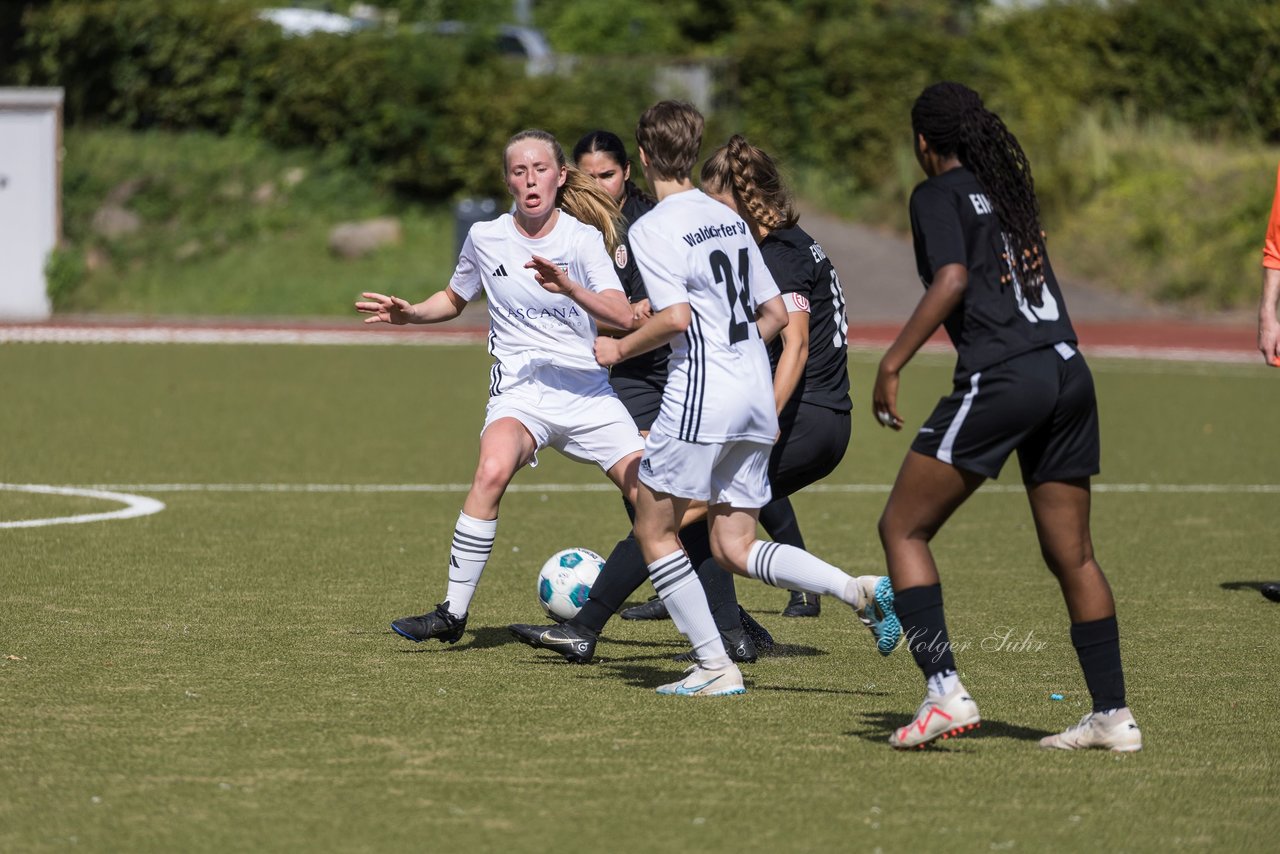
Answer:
[(642, 398), (812, 444), (1039, 404)]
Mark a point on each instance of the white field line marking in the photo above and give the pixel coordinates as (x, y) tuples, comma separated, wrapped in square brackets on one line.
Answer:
[(135, 505), (185, 335), (827, 488), (454, 337), (138, 505)]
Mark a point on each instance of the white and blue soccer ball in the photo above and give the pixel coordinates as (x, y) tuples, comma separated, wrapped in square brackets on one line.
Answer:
[(564, 583)]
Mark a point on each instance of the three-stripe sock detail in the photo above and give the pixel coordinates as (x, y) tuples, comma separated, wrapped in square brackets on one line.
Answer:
[(790, 568), (472, 543), (677, 584)]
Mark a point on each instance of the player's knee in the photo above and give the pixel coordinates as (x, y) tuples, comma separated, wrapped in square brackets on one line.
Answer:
[(1069, 562), (492, 475), (890, 528), (730, 555)]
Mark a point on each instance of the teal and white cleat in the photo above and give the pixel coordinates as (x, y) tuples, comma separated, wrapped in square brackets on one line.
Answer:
[(876, 611), (698, 682)]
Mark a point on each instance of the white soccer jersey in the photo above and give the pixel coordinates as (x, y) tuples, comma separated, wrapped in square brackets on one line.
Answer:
[(528, 325), (692, 249)]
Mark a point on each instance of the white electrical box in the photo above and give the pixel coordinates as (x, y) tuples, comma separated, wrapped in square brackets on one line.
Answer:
[(30, 198)]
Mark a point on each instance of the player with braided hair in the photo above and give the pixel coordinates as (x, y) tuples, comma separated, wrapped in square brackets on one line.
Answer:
[(639, 383), (1020, 385), (810, 356), (716, 304)]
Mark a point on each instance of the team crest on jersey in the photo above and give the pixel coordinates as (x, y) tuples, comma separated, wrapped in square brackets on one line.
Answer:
[(801, 301), (620, 256), (563, 265)]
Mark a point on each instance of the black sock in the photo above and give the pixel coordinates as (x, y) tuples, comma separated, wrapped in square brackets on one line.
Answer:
[(722, 596), (623, 573), (716, 583), (924, 628), (778, 519), (1097, 644)]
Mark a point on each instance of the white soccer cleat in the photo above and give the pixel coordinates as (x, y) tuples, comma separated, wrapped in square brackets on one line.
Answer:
[(1115, 730), (698, 682), (938, 717)]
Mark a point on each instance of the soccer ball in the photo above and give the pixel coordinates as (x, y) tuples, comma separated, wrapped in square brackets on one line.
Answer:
[(564, 583)]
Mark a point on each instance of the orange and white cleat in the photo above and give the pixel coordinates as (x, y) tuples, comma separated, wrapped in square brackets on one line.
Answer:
[(938, 717)]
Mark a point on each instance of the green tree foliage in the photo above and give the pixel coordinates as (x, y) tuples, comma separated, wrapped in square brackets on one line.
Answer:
[(425, 114)]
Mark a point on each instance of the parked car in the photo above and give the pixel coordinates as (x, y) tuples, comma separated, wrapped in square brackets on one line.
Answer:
[(304, 22), (511, 40)]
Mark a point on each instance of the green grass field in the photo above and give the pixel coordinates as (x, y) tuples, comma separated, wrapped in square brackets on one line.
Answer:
[(220, 676)]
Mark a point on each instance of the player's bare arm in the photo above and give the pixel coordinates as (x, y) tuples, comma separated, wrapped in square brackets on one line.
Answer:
[(1268, 323), (656, 331), (609, 308), (771, 316), (440, 306), (795, 354), (937, 303)]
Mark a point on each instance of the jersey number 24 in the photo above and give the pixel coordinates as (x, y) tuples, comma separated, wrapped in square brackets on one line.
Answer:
[(736, 288)]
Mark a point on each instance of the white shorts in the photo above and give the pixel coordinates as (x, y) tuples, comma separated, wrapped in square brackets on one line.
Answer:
[(733, 473), (575, 412)]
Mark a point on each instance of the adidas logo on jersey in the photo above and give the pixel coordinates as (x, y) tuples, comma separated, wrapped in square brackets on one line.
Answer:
[(501, 271)]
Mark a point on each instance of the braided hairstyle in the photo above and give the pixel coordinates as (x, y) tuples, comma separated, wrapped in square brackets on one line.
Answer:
[(580, 194), (607, 142), (952, 119), (753, 177)]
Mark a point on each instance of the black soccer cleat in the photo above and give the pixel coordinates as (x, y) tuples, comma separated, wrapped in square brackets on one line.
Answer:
[(803, 604), (575, 645), (438, 624), (737, 643), (758, 634), (654, 609), (1272, 590)]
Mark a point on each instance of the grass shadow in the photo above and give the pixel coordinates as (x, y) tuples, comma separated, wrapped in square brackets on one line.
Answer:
[(1245, 585), (877, 726), (485, 637), (843, 692), (793, 650)]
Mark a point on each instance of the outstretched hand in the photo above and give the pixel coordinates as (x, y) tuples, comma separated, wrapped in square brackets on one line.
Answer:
[(385, 309), (550, 275)]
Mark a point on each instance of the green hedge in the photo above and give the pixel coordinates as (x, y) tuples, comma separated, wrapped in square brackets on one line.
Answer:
[(423, 114)]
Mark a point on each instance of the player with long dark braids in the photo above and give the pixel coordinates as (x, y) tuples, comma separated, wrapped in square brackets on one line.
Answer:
[(1020, 385)]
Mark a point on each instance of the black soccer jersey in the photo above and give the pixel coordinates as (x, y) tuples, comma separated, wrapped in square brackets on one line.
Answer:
[(799, 266), (652, 366), (952, 222)]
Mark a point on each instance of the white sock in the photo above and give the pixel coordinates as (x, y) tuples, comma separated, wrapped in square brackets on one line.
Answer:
[(791, 568), (678, 586), (472, 542), (940, 684)]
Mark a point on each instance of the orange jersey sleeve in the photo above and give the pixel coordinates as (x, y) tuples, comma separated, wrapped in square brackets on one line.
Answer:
[(1271, 247)]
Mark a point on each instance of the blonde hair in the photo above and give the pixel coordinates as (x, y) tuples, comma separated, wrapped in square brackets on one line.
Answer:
[(670, 132), (580, 195), (585, 200), (753, 178)]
